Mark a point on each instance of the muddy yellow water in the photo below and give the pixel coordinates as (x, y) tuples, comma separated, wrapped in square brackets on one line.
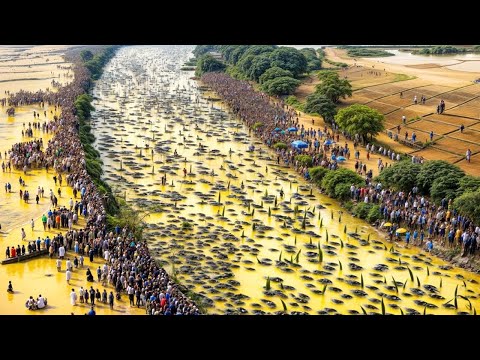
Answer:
[(36, 276), (144, 99), (224, 230)]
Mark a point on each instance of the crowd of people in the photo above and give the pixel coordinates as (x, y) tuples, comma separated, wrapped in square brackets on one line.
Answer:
[(424, 220), (129, 266), (36, 304)]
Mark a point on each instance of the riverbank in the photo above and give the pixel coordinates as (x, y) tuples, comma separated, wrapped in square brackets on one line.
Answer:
[(223, 227), (217, 81), (64, 153)]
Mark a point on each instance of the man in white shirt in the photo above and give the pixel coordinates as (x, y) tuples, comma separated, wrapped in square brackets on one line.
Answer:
[(68, 275), (69, 265), (59, 264), (40, 302), (81, 293), (131, 292), (61, 252), (73, 297)]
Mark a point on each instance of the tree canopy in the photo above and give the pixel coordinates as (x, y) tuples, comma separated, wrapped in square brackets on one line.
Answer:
[(340, 176), (203, 49), (361, 120), (280, 86), (444, 187), (468, 205), (401, 175), (274, 72), (86, 55), (289, 59), (435, 169), (259, 49), (313, 62), (208, 63), (333, 87), (260, 64), (321, 105), (468, 183)]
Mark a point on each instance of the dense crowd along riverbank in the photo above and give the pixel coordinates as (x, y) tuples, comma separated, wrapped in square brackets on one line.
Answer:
[(245, 233), (130, 266)]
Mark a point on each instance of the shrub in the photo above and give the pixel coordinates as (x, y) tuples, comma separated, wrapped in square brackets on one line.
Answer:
[(348, 205), (342, 191), (280, 145), (400, 176), (317, 173), (444, 187), (334, 177), (362, 210), (257, 125), (434, 169), (304, 160), (374, 214)]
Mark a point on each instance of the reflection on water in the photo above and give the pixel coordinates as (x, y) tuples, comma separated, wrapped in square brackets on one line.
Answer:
[(463, 62), (249, 250)]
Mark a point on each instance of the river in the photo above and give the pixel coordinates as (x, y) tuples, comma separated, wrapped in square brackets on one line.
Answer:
[(224, 230)]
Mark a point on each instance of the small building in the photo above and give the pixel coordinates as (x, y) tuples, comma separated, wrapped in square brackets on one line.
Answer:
[(216, 55)]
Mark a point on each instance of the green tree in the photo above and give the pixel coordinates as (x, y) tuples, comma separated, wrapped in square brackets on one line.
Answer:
[(280, 145), (245, 63), (207, 63), (280, 86), (468, 183), (259, 49), (321, 105), (362, 209), (334, 177), (468, 205), (313, 62), (86, 55), (361, 120), (317, 173), (342, 191), (374, 214), (333, 87), (260, 64), (401, 175), (204, 49), (274, 72), (435, 169), (237, 53), (227, 52), (304, 160), (289, 59), (445, 187), (83, 106)]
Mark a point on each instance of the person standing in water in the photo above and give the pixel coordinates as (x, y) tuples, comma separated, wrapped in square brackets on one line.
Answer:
[(111, 298), (73, 297)]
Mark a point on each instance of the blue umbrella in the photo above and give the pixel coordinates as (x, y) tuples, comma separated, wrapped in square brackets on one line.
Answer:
[(277, 129), (299, 144), (292, 129), (341, 158), (329, 142)]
